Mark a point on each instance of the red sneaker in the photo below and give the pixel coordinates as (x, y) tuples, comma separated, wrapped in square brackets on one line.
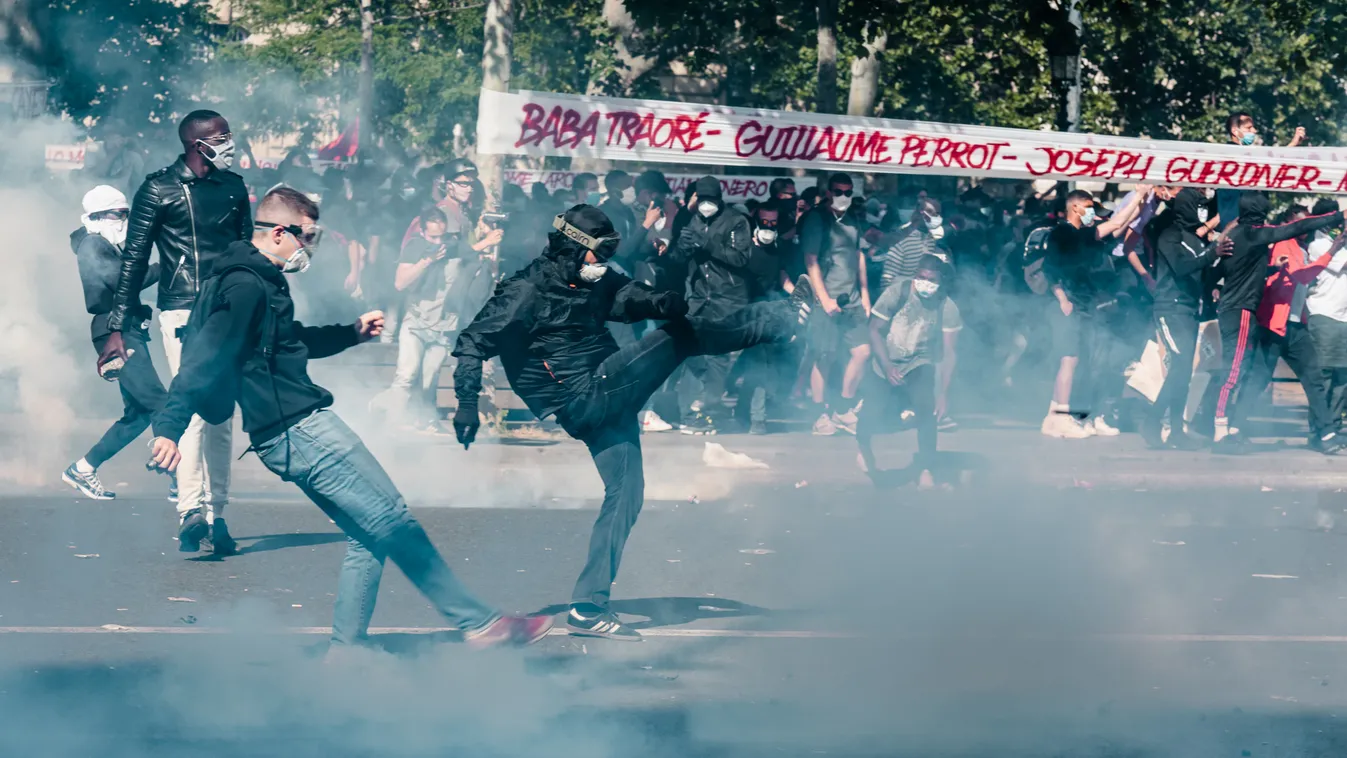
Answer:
[(517, 631)]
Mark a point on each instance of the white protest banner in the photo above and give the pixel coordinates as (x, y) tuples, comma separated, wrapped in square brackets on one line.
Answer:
[(735, 189), (652, 131), (65, 157)]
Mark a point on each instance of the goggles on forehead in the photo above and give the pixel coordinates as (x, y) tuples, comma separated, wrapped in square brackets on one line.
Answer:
[(307, 235), (603, 247)]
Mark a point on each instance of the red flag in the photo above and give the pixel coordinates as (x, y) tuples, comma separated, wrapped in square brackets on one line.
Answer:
[(345, 146)]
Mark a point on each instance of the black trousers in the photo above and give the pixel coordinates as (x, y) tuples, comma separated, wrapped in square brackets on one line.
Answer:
[(1177, 331), (1237, 350), (1297, 349), (882, 399), (142, 396), (604, 418)]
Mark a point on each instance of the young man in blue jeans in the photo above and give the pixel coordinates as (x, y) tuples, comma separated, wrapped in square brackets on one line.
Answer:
[(245, 346)]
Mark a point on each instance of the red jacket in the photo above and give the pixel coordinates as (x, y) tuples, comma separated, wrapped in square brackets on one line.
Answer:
[(1280, 291)]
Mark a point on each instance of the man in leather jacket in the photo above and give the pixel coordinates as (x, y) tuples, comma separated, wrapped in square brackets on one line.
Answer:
[(192, 211), (548, 325)]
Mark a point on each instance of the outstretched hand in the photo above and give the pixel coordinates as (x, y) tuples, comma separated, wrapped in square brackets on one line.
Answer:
[(370, 325)]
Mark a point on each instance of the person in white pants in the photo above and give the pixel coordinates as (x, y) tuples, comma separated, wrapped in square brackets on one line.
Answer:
[(207, 449)]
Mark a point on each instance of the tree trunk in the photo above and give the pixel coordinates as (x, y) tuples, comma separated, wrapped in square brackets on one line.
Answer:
[(497, 53), (365, 92), (630, 66), (825, 95), (865, 76)]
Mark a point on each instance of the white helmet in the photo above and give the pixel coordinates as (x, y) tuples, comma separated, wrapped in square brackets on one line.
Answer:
[(101, 199)]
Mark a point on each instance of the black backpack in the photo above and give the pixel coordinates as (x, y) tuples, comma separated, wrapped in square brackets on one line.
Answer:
[(207, 302)]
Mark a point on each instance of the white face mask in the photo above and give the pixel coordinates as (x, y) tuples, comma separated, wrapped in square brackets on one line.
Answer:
[(1201, 215), (937, 232), (841, 203), (222, 157), (629, 196), (1088, 217), (925, 287), (765, 236), (111, 229), (935, 222), (592, 272), (707, 208)]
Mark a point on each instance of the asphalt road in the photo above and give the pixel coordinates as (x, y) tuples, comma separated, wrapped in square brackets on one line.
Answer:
[(826, 619)]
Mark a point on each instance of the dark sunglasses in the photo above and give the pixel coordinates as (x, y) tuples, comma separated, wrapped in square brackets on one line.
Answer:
[(843, 192), (308, 235)]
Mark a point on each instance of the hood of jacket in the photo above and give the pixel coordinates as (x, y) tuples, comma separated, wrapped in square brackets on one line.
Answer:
[(244, 253), (1186, 207), (1254, 208), (76, 237)]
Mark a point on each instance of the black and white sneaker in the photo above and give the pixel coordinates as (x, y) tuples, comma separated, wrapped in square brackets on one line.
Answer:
[(604, 625), (803, 299), (88, 484), (191, 530), (698, 424), (221, 542)]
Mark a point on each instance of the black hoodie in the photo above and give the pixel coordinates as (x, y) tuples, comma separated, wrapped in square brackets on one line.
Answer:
[(100, 265), (1246, 269), (549, 328), (223, 360), (1182, 256)]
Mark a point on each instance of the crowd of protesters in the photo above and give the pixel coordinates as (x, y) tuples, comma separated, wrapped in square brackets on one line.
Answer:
[(1056, 287)]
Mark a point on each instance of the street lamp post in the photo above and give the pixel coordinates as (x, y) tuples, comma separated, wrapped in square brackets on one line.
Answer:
[(1064, 61)]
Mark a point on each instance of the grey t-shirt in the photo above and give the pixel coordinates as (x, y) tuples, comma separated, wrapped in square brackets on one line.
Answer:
[(916, 325), (837, 243), (425, 299)]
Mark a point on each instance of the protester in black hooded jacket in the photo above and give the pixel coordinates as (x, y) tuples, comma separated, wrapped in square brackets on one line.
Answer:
[(96, 246), (245, 347), (547, 324), (716, 246), (1182, 259), (1245, 273)]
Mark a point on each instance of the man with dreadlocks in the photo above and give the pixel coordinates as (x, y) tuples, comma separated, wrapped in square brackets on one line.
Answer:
[(547, 323)]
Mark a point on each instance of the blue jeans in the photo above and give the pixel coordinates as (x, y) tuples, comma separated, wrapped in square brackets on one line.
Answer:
[(335, 469)]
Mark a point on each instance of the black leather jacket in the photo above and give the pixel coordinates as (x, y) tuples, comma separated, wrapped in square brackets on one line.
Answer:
[(192, 221)]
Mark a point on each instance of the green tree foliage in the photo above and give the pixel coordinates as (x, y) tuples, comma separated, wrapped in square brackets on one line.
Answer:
[(133, 61)]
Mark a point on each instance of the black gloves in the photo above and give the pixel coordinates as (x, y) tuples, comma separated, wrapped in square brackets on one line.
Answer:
[(466, 423), (691, 240), (672, 305)]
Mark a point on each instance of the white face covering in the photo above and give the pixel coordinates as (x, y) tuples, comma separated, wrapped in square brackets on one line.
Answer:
[(937, 232), (111, 229), (935, 222), (629, 196), (765, 236), (592, 272), (925, 287), (1202, 215), (841, 203), (1089, 217), (707, 208), (222, 157)]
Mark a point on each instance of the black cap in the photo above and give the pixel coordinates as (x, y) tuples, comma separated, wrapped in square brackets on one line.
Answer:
[(708, 186), (653, 181)]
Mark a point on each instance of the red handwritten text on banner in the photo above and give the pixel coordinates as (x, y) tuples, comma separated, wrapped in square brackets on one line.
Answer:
[(647, 131)]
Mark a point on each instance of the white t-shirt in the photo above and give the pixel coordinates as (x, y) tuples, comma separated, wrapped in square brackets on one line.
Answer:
[(1328, 294)]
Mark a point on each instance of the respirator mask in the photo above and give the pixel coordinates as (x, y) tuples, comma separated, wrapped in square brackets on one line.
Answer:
[(603, 248), (221, 156)]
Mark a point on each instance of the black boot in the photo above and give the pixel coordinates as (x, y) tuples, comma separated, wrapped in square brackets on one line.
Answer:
[(221, 543), (191, 530)]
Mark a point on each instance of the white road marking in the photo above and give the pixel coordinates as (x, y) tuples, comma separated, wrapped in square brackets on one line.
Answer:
[(673, 633)]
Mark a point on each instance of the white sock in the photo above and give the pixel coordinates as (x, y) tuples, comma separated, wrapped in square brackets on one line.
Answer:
[(1056, 407), (82, 466)]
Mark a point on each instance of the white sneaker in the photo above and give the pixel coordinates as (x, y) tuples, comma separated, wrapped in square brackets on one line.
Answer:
[(845, 422), (1102, 427), (825, 427), (1063, 426), (651, 422)]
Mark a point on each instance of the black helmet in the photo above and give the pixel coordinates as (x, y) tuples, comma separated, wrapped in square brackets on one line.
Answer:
[(460, 167), (584, 228)]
